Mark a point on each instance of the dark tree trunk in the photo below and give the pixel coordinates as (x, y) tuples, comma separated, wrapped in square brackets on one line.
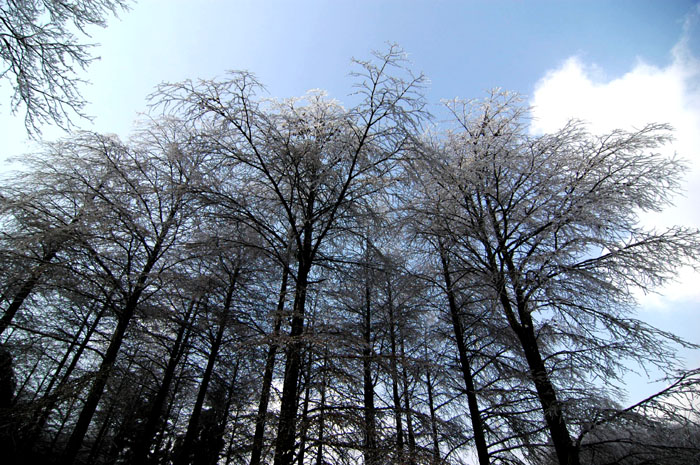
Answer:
[(322, 410), (95, 448), (284, 448), (370, 451), (127, 313), (465, 365), (368, 385), (141, 449), (28, 377), (567, 453), (261, 417), (52, 394), (433, 417), (107, 421), (232, 439), (97, 388), (64, 423), (193, 426), (395, 377), (223, 417), (305, 410), (407, 403)]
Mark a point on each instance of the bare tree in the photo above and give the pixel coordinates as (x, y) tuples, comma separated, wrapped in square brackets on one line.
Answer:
[(46, 208), (305, 167), (40, 54), (144, 215), (429, 297), (548, 228)]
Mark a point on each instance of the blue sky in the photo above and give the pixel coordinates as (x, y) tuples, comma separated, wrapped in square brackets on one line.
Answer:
[(464, 47), (615, 64)]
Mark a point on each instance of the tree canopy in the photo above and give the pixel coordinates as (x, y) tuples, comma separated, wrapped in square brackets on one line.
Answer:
[(254, 280)]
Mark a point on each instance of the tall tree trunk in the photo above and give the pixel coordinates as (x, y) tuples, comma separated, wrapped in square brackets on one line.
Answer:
[(433, 417), (95, 448), (160, 434), (64, 421), (28, 377), (261, 416), (42, 415), (192, 427), (395, 377), (407, 402), (223, 419), (215, 440), (284, 447), (567, 452), (141, 449), (95, 393), (322, 410), (465, 365), (232, 439), (305, 410), (97, 388), (370, 451), (104, 428)]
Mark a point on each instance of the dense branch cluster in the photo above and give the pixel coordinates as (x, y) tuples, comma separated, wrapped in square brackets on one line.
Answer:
[(39, 54), (249, 280)]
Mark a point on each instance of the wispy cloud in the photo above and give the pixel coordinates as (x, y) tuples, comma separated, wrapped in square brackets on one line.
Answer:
[(645, 94)]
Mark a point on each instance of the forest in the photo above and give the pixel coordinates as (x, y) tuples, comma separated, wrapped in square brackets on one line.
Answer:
[(252, 280)]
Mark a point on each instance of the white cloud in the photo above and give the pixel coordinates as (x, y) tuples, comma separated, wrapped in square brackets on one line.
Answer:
[(645, 94)]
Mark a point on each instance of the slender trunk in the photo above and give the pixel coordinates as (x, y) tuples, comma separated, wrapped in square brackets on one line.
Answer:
[(433, 417), (221, 419), (305, 412), (322, 410), (395, 378), (64, 422), (37, 390), (29, 376), (370, 451), (132, 411), (53, 394), (522, 326), (232, 439), (40, 416), (284, 447), (407, 403), (567, 452), (95, 393), (161, 431), (97, 388), (192, 427), (155, 415), (261, 417), (465, 365), (95, 449)]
